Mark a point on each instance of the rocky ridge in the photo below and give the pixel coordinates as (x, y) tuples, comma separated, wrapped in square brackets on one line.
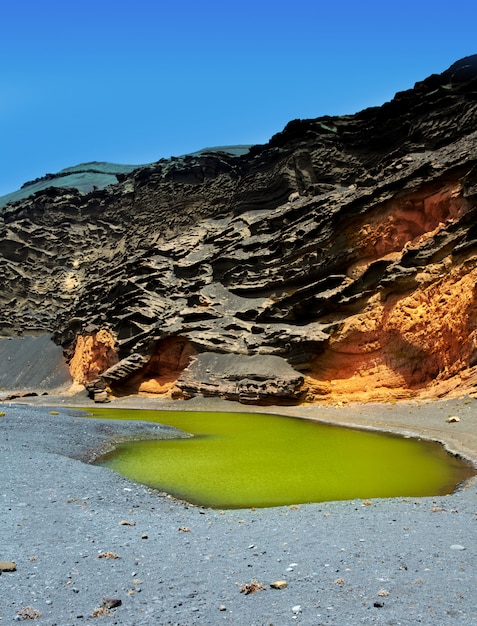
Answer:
[(338, 261)]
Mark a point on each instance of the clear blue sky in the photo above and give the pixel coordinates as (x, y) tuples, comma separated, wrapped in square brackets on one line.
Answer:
[(134, 81)]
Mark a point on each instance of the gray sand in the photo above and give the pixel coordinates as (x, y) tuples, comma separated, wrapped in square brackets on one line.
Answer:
[(32, 363), (394, 561)]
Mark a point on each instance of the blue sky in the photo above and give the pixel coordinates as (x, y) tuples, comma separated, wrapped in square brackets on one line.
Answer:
[(132, 82)]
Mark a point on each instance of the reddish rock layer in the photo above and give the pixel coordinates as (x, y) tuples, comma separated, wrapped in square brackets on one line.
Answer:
[(406, 345), (93, 354)]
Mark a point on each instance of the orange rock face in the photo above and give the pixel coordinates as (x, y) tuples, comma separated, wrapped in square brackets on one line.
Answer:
[(93, 355), (423, 342), (408, 221), (403, 346)]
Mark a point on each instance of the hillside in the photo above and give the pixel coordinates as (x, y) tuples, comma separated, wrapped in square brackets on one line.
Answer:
[(338, 261)]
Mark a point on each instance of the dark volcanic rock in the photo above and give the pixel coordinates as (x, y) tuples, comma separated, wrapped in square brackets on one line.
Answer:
[(249, 379), (345, 250)]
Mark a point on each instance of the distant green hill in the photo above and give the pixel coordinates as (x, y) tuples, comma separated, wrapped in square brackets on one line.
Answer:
[(87, 176)]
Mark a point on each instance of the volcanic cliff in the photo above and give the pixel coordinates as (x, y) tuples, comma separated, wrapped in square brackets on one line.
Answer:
[(338, 261)]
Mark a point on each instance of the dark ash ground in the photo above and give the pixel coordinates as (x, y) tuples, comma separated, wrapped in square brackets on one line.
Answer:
[(391, 562)]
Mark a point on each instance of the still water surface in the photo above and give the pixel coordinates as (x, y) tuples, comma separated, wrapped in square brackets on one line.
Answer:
[(237, 460)]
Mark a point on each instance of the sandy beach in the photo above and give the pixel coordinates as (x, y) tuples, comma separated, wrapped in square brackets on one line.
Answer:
[(84, 538)]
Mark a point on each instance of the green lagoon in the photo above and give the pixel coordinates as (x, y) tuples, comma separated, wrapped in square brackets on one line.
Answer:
[(241, 460)]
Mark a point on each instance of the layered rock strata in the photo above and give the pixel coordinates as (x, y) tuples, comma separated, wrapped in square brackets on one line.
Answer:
[(338, 261)]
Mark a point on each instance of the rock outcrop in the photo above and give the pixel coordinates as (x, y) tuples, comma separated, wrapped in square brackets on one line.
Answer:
[(338, 261)]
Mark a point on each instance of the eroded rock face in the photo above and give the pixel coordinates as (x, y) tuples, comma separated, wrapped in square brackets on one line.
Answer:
[(159, 373), (253, 379), (338, 261), (423, 342), (94, 353)]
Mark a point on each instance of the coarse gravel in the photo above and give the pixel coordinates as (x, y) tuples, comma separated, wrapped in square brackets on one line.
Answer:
[(401, 561)]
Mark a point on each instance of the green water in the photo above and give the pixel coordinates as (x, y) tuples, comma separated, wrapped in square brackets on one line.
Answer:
[(237, 460)]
